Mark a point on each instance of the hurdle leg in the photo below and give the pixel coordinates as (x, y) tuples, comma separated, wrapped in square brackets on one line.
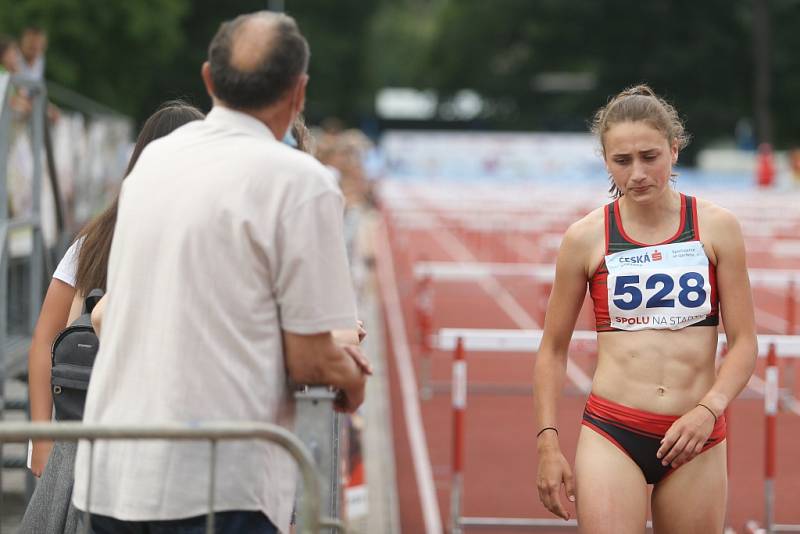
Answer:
[(459, 396), (770, 410)]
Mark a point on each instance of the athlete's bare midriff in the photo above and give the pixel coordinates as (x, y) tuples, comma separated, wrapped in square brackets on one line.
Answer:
[(659, 371)]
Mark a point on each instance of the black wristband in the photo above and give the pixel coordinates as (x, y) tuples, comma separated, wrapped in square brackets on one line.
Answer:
[(709, 411), (554, 429)]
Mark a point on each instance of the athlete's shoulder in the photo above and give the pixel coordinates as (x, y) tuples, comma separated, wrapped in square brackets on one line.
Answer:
[(719, 227), (715, 216)]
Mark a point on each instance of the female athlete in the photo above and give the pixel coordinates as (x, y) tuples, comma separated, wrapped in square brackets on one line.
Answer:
[(661, 268)]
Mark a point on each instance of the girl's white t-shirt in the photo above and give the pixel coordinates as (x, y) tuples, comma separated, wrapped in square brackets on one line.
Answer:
[(67, 269)]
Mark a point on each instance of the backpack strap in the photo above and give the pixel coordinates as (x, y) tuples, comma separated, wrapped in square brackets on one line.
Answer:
[(92, 299)]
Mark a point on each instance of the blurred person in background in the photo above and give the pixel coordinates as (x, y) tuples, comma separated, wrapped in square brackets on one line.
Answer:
[(344, 152), (9, 62), (655, 414), (9, 55), (83, 268), (227, 276), (32, 50)]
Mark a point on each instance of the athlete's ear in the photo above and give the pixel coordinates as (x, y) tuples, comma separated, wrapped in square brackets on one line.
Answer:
[(674, 150)]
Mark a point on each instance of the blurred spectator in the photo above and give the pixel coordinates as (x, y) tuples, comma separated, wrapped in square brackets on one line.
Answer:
[(9, 55), (32, 48), (344, 152), (332, 125), (765, 166), (745, 137), (9, 62)]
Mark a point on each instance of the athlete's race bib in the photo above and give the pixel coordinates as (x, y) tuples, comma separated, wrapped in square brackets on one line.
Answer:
[(661, 287)]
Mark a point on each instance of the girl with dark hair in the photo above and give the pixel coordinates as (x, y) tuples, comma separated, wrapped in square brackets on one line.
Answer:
[(82, 269), (661, 268)]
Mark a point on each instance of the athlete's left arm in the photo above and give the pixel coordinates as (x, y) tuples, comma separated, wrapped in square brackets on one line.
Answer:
[(687, 436), (736, 307)]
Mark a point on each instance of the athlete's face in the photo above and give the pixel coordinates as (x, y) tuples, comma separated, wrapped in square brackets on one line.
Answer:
[(640, 159)]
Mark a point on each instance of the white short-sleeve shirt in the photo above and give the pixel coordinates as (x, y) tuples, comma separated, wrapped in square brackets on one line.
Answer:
[(67, 268), (224, 238)]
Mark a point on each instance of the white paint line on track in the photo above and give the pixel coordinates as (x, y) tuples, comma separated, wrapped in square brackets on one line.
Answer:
[(457, 250), (756, 383), (408, 387), (523, 247), (770, 321)]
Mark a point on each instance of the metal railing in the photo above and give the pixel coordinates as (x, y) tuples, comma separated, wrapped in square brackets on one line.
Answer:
[(27, 159), (317, 423), (14, 347), (38, 96), (310, 518)]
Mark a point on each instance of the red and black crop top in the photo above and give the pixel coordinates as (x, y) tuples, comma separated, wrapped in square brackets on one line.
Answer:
[(672, 290)]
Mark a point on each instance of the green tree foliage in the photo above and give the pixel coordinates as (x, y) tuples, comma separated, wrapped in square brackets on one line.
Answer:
[(108, 50), (786, 72), (697, 54), (134, 55), (336, 31)]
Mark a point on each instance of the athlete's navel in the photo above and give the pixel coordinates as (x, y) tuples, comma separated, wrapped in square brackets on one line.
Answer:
[(661, 391)]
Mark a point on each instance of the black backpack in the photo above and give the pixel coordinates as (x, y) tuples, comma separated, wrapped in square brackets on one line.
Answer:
[(73, 353)]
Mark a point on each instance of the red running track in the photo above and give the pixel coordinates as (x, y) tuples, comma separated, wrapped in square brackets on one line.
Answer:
[(500, 455)]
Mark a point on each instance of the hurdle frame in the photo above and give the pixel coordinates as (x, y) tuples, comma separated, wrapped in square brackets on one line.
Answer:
[(460, 340)]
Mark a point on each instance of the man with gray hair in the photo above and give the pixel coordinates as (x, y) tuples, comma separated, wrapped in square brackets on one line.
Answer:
[(227, 280)]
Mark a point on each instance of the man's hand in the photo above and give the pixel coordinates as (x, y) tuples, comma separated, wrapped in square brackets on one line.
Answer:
[(350, 398), (361, 361), (318, 359)]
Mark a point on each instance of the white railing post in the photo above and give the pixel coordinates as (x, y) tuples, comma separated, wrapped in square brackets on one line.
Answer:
[(317, 426)]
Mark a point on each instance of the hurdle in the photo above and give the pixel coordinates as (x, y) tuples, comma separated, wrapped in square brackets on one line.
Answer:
[(771, 398), (444, 271), (423, 309), (427, 273), (462, 340)]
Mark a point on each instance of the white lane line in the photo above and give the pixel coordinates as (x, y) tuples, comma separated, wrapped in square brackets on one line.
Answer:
[(408, 386), (458, 251), (523, 247), (757, 385), (770, 321)]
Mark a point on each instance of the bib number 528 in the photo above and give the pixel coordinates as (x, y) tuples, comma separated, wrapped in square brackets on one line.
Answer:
[(691, 294)]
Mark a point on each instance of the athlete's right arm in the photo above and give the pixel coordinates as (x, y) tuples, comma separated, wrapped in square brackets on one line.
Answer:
[(566, 299), (52, 319)]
